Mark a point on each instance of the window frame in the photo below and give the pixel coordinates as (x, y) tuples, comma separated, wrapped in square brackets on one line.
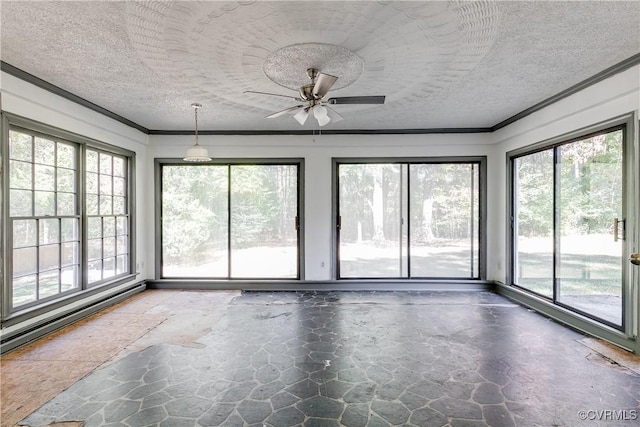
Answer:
[(623, 123), (11, 315), (480, 161), (159, 163)]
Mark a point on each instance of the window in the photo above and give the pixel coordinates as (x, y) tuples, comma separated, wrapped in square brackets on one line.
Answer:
[(107, 220), (568, 223), (44, 217), (241, 222), (68, 225), (409, 219)]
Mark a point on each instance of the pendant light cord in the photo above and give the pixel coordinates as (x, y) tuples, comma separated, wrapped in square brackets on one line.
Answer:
[(196, 114)]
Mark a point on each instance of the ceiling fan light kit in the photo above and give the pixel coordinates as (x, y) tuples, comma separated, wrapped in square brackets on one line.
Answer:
[(302, 115), (196, 153), (321, 115), (314, 99)]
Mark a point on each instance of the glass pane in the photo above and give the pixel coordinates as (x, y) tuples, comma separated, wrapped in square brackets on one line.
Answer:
[(108, 226), (121, 225), (119, 207), (48, 257), (105, 184), (25, 261), (44, 177), (92, 161), (49, 285), (69, 229), (25, 233), (69, 278), (106, 205), (94, 270), (591, 194), (66, 204), (92, 183), (194, 240), (45, 151), (66, 180), (533, 225), (25, 290), (70, 255), (109, 246), (94, 249), (44, 203), (121, 264), (371, 216), (122, 245), (21, 203), (66, 156), (49, 231), (94, 227), (109, 268), (20, 146), (105, 164), (20, 175), (119, 167), (263, 210), (443, 220), (119, 186), (92, 204)]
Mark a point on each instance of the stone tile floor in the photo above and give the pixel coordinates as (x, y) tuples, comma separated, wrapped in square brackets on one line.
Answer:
[(349, 358)]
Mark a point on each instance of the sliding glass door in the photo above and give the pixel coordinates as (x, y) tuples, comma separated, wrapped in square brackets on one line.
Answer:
[(229, 221), (444, 219), (569, 226), (408, 219), (371, 220), (195, 221), (534, 228), (263, 212)]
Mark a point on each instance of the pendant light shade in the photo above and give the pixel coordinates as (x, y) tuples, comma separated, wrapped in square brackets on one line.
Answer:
[(197, 153)]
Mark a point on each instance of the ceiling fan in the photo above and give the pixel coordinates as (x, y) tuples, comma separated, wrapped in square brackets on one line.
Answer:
[(312, 96)]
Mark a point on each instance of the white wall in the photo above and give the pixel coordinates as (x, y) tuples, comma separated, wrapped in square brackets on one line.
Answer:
[(26, 100), (615, 96), (611, 98), (317, 153)]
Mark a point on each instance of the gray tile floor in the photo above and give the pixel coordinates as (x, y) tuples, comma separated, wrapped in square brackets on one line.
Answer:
[(359, 359)]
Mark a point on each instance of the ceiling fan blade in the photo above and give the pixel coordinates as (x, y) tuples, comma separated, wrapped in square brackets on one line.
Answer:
[(357, 100), (283, 112), (323, 84), (295, 98), (335, 117)]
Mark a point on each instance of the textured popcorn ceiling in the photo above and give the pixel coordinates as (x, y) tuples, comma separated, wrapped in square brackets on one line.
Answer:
[(440, 64)]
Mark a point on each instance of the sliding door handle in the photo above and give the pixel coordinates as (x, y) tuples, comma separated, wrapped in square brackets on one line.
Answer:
[(616, 227)]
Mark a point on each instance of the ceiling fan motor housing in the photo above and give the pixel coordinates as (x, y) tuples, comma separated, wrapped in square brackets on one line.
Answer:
[(306, 92)]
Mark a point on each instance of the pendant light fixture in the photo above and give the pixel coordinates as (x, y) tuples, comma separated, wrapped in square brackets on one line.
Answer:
[(197, 153)]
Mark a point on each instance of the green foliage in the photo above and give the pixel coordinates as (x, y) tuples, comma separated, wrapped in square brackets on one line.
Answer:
[(263, 205), (195, 215), (590, 187), (441, 199), (591, 184), (187, 214), (534, 199)]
